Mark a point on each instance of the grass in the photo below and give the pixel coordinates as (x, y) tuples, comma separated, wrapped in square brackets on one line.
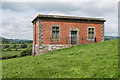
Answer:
[(11, 44), (10, 53), (13, 53), (95, 60), (13, 49)]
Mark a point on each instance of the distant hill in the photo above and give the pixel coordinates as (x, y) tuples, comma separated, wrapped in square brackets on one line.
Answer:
[(7, 41), (20, 40), (111, 37)]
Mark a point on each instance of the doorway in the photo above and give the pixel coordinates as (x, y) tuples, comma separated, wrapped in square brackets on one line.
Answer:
[(73, 37)]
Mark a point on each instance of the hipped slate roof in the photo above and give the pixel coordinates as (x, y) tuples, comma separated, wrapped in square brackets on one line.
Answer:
[(68, 18)]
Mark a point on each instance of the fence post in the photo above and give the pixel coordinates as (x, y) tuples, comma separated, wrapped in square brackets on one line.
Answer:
[(66, 40), (57, 41), (95, 39), (82, 40)]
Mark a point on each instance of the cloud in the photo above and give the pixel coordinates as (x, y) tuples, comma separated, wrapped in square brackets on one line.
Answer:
[(16, 25), (17, 16), (94, 8), (60, 0)]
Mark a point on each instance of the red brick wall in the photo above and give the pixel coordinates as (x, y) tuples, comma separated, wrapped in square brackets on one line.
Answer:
[(35, 32), (65, 31)]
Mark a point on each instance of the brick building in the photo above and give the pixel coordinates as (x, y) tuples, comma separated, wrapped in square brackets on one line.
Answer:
[(54, 32)]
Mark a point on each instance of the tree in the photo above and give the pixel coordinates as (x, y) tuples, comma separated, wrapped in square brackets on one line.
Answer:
[(107, 38), (29, 46), (9, 49), (14, 46), (6, 46), (15, 49), (23, 45)]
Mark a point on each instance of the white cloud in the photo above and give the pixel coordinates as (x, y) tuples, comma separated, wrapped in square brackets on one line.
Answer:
[(60, 0), (17, 25), (17, 17)]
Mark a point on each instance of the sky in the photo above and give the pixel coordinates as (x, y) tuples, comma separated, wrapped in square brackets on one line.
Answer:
[(17, 16)]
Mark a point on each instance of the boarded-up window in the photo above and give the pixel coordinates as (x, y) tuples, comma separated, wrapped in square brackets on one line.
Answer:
[(55, 32), (91, 32)]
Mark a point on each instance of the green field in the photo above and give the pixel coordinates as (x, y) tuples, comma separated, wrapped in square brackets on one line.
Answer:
[(10, 53), (95, 60), (11, 44)]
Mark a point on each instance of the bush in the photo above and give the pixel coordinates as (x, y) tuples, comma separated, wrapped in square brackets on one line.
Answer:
[(26, 52), (2, 49), (29, 46), (18, 46), (16, 49), (107, 39), (14, 46), (8, 49), (6, 46), (23, 45)]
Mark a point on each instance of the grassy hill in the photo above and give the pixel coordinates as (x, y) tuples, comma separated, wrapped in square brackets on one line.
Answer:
[(110, 37), (95, 60), (14, 41)]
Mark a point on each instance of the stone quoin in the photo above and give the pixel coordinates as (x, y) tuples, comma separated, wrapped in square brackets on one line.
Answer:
[(52, 32)]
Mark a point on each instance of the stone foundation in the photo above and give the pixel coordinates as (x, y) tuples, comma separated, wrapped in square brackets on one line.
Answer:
[(48, 48)]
